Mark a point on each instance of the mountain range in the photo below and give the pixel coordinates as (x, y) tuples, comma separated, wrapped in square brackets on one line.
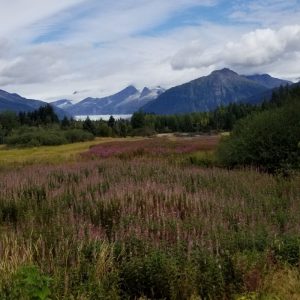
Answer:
[(126, 101), (221, 87), (16, 103), (206, 93)]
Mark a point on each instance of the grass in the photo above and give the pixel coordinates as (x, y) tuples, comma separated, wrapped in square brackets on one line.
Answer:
[(162, 146), (48, 154), (148, 227)]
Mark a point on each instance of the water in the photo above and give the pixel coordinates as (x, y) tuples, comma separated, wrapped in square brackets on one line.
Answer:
[(103, 117)]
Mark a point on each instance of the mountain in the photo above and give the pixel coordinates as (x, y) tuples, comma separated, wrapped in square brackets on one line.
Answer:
[(126, 101), (16, 103), (63, 104), (221, 87), (268, 81)]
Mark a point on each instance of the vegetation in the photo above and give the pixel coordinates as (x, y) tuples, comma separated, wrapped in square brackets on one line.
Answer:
[(48, 154), (35, 136), (154, 147), (152, 218), (21, 130), (148, 226), (269, 140)]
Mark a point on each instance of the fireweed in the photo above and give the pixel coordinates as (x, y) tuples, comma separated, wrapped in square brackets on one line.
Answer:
[(146, 227)]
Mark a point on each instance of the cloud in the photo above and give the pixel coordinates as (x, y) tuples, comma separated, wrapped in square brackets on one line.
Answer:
[(254, 49), (57, 47), (106, 21), (17, 14), (100, 45), (274, 13)]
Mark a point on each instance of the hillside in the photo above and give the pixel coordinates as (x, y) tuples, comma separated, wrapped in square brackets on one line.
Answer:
[(16, 103), (126, 101), (221, 87)]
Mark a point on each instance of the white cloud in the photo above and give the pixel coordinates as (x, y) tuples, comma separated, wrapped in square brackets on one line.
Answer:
[(17, 14), (258, 48), (101, 45), (121, 56), (274, 13)]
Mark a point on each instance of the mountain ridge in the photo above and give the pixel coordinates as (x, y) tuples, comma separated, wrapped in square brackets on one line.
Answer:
[(16, 103), (206, 93), (126, 101)]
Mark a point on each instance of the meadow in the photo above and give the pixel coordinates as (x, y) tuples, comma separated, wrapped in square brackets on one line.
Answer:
[(145, 219), (10, 156)]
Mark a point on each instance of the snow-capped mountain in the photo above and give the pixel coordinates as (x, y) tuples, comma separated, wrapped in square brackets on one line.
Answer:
[(63, 104), (126, 101)]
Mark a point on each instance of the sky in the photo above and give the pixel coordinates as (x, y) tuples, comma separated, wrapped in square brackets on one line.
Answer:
[(56, 49)]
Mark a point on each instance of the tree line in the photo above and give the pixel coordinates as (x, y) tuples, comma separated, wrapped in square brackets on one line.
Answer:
[(44, 119)]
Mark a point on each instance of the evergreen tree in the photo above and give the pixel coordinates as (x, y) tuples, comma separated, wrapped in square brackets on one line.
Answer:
[(89, 126), (111, 122)]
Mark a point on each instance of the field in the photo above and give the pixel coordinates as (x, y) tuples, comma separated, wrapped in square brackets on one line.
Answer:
[(48, 154), (146, 219)]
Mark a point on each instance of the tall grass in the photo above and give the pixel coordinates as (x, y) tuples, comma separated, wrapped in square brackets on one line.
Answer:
[(48, 154), (146, 227)]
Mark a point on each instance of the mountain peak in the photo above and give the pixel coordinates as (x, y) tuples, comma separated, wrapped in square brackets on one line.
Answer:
[(224, 71), (221, 87), (267, 80), (130, 89), (146, 91)]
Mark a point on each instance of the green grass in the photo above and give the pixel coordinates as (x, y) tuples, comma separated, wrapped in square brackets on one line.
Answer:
[(49, 154)]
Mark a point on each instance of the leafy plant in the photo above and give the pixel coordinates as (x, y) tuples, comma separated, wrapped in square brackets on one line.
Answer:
[(30, 284)]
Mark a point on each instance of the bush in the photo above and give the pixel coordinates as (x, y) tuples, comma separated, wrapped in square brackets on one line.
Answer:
[(267, 140), (29, 284), (78, 135), (144, 131), (34, 137), (151, 276)]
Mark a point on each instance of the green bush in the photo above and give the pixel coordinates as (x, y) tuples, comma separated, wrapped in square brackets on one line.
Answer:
[(34, 137), (267, 140), (287, 249), (152, 276), (78, 135), (30, 284), (144, 131)]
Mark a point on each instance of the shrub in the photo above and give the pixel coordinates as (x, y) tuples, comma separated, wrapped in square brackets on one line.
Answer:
[(144, 131), (34, 137), (268, 140), (151, 276), (78, 135), (30, 284)]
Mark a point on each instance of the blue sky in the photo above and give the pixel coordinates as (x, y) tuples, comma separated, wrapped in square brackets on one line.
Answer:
[(51, 48)]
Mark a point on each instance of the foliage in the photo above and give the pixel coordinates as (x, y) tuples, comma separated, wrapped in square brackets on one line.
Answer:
[(89, 126), (268, 140), (42, 116), (48, 154), (78, 135), (222, 118), (153, 146), (148, 226), (29, 284), (34, 137), (138, 120)]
